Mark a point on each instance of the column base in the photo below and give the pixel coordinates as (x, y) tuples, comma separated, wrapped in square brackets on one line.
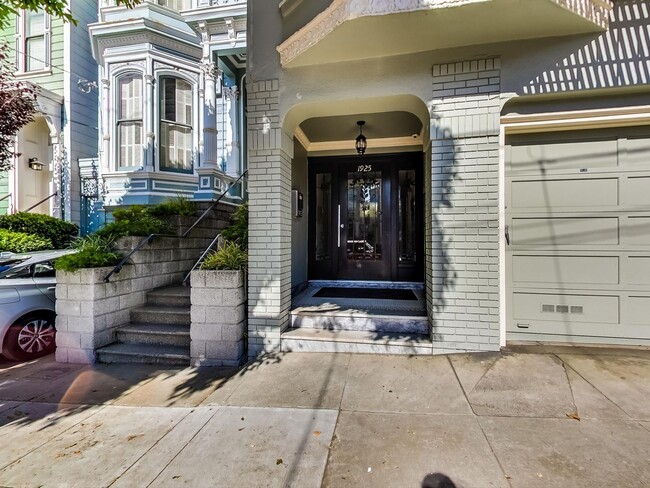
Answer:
[(212, 183)]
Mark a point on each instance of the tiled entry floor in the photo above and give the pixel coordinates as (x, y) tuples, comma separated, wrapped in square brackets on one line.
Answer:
[(379, 326), (306, 301)]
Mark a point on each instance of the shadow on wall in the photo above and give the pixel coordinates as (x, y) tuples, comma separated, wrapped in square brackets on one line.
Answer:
[(617, 58), (441, 278)]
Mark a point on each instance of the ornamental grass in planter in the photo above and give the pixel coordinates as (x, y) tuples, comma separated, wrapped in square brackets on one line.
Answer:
[(218, 297)]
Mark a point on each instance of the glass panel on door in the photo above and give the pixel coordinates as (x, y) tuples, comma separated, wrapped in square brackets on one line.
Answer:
[(406, 243), (364, 216), (323, 216)]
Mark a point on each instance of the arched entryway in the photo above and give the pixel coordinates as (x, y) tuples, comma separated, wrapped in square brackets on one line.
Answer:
[(363, 215)]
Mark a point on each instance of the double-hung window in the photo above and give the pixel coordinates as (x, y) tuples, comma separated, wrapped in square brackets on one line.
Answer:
[(175, 125), (129, 121), (33, 45)]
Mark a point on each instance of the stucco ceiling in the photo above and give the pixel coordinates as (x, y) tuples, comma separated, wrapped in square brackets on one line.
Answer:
[(378, 125)]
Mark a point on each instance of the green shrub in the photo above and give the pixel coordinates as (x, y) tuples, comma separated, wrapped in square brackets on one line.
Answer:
[(179, 205), (237, 231), (135, 220), (93, 251), (230, 257), (58, 231), (22, 242)]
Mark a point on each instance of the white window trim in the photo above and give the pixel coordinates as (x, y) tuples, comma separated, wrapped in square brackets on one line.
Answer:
[(114, 110), (21, 45), (169, 73)]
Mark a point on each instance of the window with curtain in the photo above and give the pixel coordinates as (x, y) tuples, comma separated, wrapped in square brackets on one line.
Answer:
[(129, 121), (34, 41), (175, 125)]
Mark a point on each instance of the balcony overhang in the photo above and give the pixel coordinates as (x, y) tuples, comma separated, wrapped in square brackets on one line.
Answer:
[(350, 30), (144, 23)]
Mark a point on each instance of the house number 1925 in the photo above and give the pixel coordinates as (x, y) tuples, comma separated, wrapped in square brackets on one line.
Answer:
[(364, 168)]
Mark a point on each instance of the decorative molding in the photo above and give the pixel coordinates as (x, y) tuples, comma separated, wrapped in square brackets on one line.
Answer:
[(348, 145), (231, 92), (578, 119), (140, 63), (340, 11), (210, 70)]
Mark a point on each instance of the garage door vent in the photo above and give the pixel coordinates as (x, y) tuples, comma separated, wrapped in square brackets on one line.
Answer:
[(562, 308)]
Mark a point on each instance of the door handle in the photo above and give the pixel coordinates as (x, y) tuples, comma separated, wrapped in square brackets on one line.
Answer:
[(51, 288), (508, 235), (338, 227)]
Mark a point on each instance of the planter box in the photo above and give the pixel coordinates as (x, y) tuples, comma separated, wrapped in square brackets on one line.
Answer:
[(89, 310), (218, 318)]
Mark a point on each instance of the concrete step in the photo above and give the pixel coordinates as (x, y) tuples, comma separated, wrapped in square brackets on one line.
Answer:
[(342, 319), (347, 341), (171, 296), (157, 334), (157, 314), (144, 353)]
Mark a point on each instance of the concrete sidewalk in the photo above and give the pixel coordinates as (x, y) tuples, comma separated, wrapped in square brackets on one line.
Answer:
[(551, 417)]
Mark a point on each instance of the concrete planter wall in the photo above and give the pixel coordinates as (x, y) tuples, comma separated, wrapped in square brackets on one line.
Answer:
[(89, 310), (218, 318)]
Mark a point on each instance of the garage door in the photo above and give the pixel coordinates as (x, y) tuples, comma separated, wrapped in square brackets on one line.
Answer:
[(578, 217)]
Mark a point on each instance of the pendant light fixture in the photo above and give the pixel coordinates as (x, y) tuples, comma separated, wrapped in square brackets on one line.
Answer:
[(361, 143)]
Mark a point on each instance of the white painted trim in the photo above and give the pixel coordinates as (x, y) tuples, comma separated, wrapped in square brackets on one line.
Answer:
[(574, 120), (502, 240), (66, 197), (376, 143)]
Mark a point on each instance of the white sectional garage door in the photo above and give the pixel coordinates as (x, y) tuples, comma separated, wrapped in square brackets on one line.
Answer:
[(578, 217)]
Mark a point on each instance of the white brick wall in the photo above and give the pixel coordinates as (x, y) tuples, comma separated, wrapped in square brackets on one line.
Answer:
[(462, 214), (269, 244), (218, 318)]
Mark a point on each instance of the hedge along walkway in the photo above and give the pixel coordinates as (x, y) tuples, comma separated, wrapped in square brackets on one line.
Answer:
[(334, 420)]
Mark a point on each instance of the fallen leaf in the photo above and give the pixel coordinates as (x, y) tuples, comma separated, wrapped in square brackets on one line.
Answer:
[(317, 433), (241, 429), (508, 477), (574, 416), (279, 461), (175, 477), (131, 437)]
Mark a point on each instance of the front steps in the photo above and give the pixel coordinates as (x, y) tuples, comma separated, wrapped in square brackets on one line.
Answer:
[(348, 325), (159, 332)]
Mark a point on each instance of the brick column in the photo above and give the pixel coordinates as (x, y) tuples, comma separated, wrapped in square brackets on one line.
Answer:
[(270, 152), (462, 240)]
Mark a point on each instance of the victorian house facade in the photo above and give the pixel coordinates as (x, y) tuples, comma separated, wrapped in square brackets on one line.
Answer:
[(56, 57), (171, 93)]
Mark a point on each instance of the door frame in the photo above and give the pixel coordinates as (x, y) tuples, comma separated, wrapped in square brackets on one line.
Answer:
[(337, 166)]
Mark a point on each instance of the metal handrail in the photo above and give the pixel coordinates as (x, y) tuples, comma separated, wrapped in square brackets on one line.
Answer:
[(118, 267), (200, 260), (42, 201), (8, 195)]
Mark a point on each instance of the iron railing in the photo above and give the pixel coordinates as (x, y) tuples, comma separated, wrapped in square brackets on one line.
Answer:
[(42, 201), (145, 240), (200, 260)]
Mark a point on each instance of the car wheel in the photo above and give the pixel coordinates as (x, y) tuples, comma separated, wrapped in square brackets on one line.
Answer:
[(30, 337)]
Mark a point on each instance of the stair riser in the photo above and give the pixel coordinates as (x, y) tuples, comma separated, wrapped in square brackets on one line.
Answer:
[(155, 339), (299, 345), (160, 317), (373, 324), (168, 300), (106, 357)]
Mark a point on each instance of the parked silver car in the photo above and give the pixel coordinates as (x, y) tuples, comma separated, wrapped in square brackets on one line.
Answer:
[(27, 285)]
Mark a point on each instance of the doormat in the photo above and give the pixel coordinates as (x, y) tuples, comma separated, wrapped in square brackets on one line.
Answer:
[(372, 293)]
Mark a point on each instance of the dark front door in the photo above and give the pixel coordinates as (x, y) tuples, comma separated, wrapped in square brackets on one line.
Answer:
[(365, 218)]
